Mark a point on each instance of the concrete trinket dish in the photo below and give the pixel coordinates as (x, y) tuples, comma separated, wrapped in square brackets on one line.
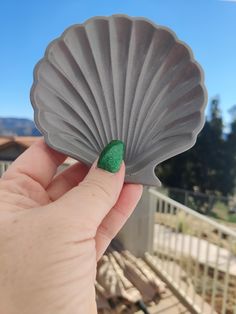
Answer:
[(120, 78)]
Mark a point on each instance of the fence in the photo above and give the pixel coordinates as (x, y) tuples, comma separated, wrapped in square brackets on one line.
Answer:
[(203, 203), (196, 255), (3, 166)]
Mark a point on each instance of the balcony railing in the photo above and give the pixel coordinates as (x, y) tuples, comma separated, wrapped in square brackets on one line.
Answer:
[(3, 166), (195, 255)]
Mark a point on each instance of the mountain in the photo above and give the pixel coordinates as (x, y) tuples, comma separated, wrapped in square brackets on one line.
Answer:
[(18, 126)]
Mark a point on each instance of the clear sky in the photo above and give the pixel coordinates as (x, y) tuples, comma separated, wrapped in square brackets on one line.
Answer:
[(26, 27)]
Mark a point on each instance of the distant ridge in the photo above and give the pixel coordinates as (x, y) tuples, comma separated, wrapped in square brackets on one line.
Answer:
[(18, 126)]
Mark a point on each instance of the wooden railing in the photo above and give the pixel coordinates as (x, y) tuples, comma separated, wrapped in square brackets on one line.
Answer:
[(195, 255)]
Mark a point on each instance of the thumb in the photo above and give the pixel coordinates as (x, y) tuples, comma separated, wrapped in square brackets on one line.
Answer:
[(93, 198)]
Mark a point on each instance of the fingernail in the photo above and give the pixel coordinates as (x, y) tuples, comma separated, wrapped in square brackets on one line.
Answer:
[(111, 157)]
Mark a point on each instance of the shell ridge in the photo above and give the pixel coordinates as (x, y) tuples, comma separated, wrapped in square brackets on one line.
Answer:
[(182, 121), (105, 113), (143, 136), (136, 104), (160, 94), (87, 138), (172, 110), (185, 100), (117, 57), (90, 89), (139, 123), (183, 127), (165, 78), (126, 89), (88, 109), (107, 82), (152, 86), (123, 138), (114, 131), (133, 72), (90, 139), (61, 97), (92, 79), (114, 71), (74, 130), (183, 130), (87, 100), (159, 151), (163, 98), (154, 123), (187, 142), (102, 59), (83, 157)]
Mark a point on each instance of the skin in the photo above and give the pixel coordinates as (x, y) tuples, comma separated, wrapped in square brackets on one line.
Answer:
[(54, 228)]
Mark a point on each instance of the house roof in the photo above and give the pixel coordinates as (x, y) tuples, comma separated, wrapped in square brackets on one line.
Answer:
[(22, 140)]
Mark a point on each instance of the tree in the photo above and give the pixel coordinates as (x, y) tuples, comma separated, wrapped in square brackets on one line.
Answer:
[(231, 148), (206, 165), (217, 172)]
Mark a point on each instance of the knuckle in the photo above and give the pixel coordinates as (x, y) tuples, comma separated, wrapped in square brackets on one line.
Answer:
[(106, 232), (98, 190)]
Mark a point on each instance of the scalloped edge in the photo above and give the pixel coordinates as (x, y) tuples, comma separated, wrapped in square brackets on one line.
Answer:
[(154, 180)]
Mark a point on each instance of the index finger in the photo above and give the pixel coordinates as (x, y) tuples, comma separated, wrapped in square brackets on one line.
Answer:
[(39, 162)]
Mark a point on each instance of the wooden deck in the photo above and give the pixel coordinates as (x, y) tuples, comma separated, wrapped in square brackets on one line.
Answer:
[(168, 304)]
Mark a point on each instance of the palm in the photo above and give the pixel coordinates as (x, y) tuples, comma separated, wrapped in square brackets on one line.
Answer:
[(24, 188)]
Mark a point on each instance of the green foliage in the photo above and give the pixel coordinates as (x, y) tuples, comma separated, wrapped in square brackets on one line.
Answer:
[(211, 164), (232, 218), (183, 225), (221, 211)]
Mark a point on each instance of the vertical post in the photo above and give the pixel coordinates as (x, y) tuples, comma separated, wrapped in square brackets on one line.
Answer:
[(1, 168), (186, 198), (137, 234), (215, 278), (226, 283), (170, 233)]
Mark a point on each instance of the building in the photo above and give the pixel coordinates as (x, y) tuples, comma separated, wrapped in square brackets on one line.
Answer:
[(12, 146)]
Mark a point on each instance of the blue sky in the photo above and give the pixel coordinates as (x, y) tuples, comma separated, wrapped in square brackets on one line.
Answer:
[(26, 27)]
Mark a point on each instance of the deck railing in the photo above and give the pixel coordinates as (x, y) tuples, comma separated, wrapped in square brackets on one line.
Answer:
[(3, 166), (195, 254)]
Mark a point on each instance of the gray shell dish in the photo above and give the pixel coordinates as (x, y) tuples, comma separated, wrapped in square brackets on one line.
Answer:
[(119, 78)]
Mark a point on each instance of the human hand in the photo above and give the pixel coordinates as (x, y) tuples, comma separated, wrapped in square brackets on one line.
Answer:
[(53, 229)]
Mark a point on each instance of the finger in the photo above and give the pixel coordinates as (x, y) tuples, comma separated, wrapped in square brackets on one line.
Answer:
[(116, 218), (38, 163), (91, 200), (66, 180)]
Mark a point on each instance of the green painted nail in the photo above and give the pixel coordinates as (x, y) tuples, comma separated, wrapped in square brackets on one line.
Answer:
[(111, 157)]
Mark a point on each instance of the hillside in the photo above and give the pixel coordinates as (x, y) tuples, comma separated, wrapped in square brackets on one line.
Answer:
[(18, 126)]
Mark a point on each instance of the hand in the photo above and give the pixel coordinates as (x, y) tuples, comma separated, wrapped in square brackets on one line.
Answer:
[(53, 229)]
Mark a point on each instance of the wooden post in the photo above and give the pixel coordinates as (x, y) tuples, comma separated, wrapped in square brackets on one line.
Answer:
[(137, 234)]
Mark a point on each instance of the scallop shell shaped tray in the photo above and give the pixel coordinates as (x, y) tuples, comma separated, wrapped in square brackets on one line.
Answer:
[(120, 78)]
